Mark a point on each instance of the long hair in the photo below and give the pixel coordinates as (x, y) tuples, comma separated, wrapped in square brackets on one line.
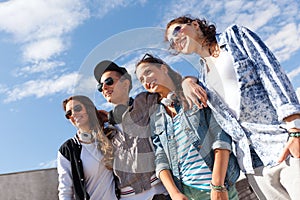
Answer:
[(175, 76), (208, 30), (96, 123)]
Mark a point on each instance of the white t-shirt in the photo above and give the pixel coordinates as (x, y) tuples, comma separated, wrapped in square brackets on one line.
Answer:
[(222, 78), (99, 180)]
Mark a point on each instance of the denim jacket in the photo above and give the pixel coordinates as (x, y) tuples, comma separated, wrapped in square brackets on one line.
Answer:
[(204, 133), (267, 97)]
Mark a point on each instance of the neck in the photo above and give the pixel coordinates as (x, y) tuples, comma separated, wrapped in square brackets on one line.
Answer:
[(204, 50), (84, 130), (169, 87)]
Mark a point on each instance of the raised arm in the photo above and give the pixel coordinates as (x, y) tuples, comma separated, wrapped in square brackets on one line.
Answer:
[(193, 92)]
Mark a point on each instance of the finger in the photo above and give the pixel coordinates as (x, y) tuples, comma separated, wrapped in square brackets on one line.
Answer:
[(201, 95), (190, 103), (198, 102), (193, 99), (204, 94), (201, 100), (284, 155)]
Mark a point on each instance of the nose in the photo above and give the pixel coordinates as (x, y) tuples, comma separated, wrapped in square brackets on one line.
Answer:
[(105, 86), (147, 81)]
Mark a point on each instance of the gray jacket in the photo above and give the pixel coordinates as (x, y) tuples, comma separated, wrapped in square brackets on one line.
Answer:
[(134, 156)]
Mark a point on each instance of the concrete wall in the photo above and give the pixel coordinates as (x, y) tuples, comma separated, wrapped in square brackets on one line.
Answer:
[(42, 185), (29, 185)]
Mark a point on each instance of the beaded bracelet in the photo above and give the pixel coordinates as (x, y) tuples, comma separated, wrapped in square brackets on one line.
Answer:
[(294, 134), (218, 188)]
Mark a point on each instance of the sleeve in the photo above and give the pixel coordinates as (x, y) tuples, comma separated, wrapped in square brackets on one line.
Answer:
[(161, 159), (65, 182), (274, 79), (145, 102), (220, 139), (160, 156)]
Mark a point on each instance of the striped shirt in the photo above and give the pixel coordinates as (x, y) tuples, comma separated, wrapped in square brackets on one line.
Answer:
[(193, 170)]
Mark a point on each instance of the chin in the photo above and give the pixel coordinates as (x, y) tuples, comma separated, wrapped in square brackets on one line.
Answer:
[(187, 47)]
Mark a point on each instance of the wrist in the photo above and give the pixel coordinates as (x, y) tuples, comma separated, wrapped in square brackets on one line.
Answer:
[(294, 134), (218, 188), (190, 78)]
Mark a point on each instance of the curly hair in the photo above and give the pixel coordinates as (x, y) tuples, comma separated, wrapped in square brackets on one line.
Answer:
[(96, 124), (208, 30), (175, 76)]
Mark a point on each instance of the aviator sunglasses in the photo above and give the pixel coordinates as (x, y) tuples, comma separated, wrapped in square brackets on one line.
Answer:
[(76, 108), (108, 81), (174, 34)]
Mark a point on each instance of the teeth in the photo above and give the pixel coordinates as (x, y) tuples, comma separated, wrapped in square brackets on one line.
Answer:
[(152, 84)]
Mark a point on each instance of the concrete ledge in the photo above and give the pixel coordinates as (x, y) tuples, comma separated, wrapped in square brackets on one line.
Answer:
[(42, 185), (30, 185)]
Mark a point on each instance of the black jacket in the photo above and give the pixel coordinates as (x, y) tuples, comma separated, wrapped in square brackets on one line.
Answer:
[(71, 150)]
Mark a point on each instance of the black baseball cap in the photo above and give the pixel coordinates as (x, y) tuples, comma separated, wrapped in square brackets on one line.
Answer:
[(107, 65)]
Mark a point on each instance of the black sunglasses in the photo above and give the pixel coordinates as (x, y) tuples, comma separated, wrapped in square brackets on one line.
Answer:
[(108, 81), (76, 108), (148, 58)]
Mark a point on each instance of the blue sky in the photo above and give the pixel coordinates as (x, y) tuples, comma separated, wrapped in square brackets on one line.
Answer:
[(48, 50)]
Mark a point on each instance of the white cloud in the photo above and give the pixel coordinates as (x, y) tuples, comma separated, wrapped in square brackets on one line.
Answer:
[(286, 41), (42, 87), (101, 7), (38, 67), (43, 49), (3, 88), (41, 19), (294, 73), (41, 26)]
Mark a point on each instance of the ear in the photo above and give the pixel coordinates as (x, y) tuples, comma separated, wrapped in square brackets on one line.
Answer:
[(195, 25), (126, 83), (164, 68)]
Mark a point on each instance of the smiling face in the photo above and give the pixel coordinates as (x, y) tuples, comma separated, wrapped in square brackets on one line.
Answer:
[(155, 78), (184, 38), (78, 115), (117, 92)]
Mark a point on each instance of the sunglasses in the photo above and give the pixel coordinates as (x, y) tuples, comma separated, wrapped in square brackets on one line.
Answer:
[(108, 81), (174, 34), (76, 108), (148, 58)]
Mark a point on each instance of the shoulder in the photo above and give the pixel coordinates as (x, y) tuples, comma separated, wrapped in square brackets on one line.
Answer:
[(66, 143), (145, 100), (146, 97), (68, 146), (233, 27), (235, 30)]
